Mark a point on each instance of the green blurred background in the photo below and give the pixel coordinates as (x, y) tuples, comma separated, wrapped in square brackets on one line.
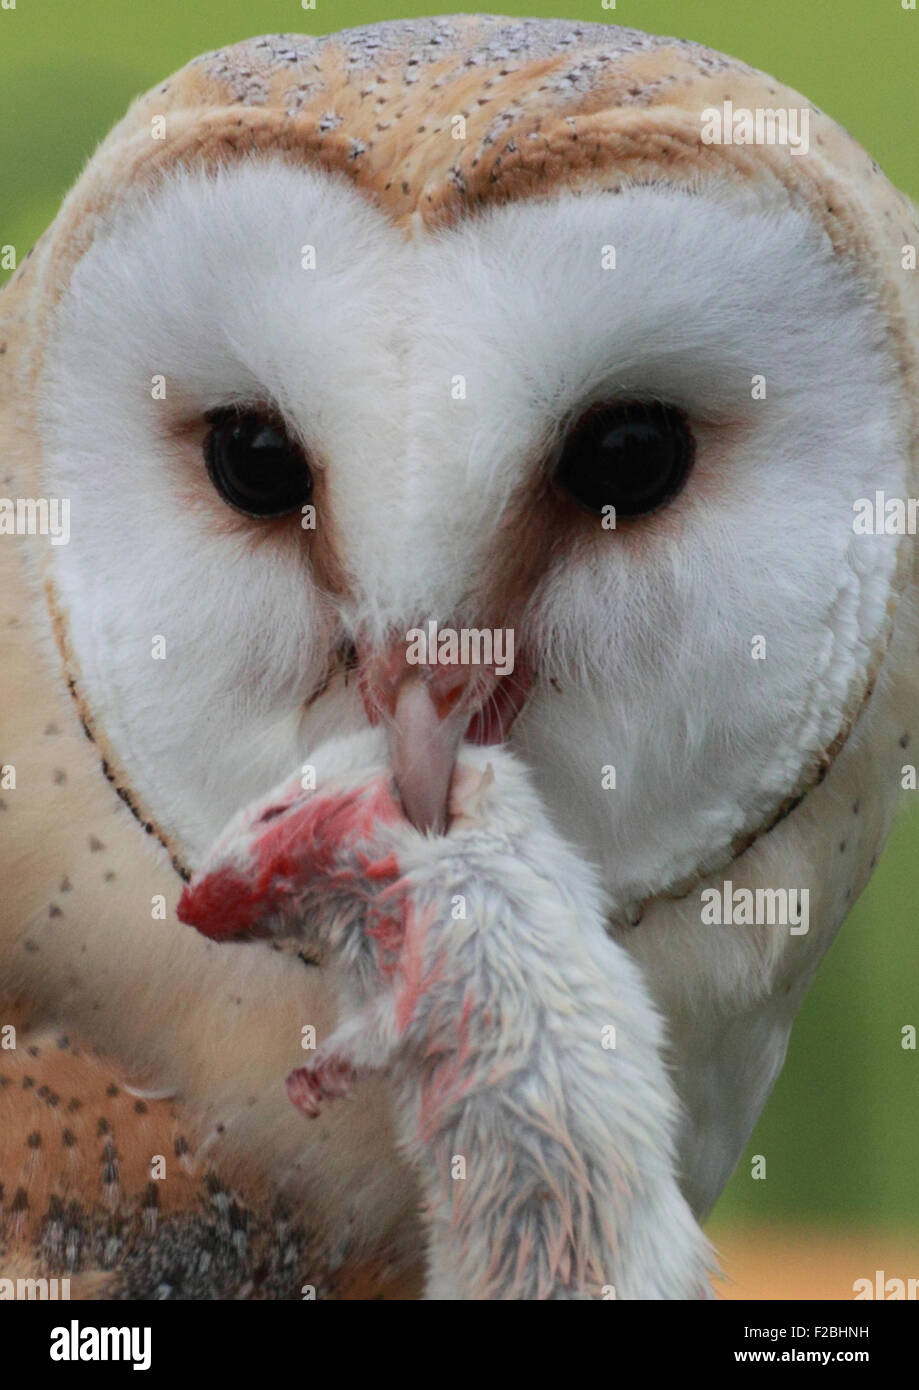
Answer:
[(841, 1133)]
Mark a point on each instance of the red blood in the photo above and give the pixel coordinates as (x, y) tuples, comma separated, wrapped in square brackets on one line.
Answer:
[(499, 699), (328, 1079), (294, 848), (221, 905), (446, 1078), (411, 967), (303, 1090)]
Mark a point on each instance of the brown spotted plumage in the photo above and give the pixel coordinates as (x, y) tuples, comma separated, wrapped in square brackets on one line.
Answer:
[(133, 1036)]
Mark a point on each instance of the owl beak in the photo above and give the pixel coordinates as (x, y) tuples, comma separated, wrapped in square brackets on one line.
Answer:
[(424, 741), (426, 710)]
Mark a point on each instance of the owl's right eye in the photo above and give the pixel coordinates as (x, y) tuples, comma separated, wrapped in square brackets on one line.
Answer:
[(255, 465)]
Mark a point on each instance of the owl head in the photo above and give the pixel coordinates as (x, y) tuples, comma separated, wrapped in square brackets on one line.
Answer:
[(471, 329)]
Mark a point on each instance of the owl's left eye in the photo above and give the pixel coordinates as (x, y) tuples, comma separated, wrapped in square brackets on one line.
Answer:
[(255, 465), (634, 457)]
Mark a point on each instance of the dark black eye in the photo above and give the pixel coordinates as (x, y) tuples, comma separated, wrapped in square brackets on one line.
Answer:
[(254, 464), (634, 457)]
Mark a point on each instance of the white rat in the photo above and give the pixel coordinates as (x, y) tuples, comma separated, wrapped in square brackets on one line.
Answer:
[(473, 968)]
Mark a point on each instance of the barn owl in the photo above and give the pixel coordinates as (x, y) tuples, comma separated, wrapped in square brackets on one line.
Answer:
[(503, 326)]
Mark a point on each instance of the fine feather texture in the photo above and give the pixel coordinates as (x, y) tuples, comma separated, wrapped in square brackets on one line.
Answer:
[(732, 262), (359, 353), (641, 639), (473, 969)]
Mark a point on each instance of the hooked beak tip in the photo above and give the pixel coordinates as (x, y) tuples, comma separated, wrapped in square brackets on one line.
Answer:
[(423, 750)]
